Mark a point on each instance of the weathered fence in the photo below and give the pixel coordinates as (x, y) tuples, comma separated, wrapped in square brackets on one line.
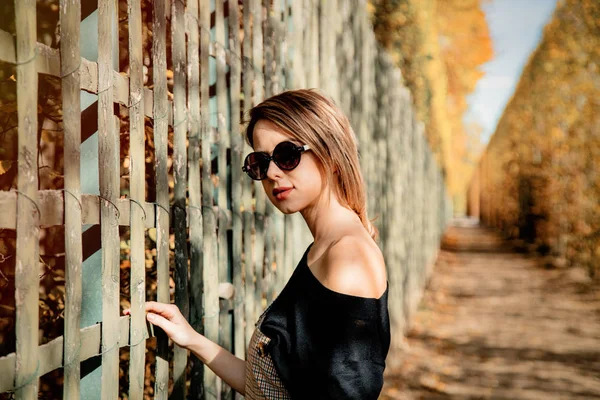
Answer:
[(211, 226)]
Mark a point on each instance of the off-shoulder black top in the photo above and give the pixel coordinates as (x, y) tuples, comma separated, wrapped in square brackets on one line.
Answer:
[(325, 344)]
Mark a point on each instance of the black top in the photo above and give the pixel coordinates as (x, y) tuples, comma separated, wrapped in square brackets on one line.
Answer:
[(325, 344)]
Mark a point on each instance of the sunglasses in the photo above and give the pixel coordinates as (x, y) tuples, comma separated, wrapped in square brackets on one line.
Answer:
[(286, 156)]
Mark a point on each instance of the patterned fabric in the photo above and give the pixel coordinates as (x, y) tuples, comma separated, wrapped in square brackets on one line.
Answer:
[(262, 381)]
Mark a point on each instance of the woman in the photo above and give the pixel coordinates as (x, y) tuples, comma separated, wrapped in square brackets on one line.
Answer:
[(327, 334)]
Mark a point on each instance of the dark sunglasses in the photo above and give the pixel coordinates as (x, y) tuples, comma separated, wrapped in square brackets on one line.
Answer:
[(286, 156)]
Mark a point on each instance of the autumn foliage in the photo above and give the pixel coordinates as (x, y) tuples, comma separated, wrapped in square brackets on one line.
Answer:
[(539, 176), (439, 46)]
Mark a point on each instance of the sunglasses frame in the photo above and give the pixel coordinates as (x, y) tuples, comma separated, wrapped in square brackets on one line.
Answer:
[(269, 158)]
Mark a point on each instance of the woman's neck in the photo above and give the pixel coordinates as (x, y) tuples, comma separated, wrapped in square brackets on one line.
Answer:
[(325, 218)]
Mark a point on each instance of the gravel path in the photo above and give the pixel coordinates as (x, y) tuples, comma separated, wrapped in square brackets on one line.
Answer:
[(496, 324)]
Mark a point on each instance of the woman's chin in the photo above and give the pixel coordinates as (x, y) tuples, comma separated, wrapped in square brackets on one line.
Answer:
[(287, 208)]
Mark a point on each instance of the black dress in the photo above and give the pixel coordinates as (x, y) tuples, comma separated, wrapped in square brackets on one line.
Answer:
[(325, 344)]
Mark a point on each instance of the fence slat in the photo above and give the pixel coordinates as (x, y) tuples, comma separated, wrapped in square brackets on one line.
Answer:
[(108, 160), (70, 14), (223, 143), (210, 315), (292, 77), (27, 264), (270, 79), (195, 200), (180, 182), (159, 60), (136, 195), (247, 185), (239, 345), (259, 210), (298, 76), (279, 222)]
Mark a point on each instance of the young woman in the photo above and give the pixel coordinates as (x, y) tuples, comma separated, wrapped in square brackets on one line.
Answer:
[(327, 334)]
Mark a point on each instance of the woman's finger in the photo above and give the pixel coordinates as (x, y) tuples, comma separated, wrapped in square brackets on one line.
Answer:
[(166, 310), (162, 323)]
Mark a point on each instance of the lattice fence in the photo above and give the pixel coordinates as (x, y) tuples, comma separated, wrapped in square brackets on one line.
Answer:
[(211, 228)]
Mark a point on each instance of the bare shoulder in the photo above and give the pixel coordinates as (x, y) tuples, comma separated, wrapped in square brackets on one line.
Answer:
[(354, 265)]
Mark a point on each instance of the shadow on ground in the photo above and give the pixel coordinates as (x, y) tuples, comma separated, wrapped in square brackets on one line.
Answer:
[(498, 324)]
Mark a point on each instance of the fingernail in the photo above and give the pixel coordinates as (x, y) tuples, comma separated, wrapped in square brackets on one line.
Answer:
[(150, 317)]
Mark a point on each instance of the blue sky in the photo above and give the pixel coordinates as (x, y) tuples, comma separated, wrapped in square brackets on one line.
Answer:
[(516, 27)]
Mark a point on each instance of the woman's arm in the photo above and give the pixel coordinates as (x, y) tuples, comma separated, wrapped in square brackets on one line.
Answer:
[(227, 366)]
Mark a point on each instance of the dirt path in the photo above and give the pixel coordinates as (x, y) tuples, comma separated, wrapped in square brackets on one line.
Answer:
[(495, 324)]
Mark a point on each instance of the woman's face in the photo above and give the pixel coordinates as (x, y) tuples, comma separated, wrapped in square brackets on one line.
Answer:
[(303, 182)]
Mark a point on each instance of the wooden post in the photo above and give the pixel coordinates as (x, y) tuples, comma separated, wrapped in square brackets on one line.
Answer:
[(195, 212), (259, 247), (279, 51), (28, 213), (180, 123), (137, 196), (298, 75), (248, 185), (210, 271), (239, 344), (108, 166), (160, 119), (223, 143), (314, 7), (70, 13), (293, 62), (270, 79)]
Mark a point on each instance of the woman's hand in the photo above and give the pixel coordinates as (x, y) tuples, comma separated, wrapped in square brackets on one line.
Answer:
[(169, 318), (226, 365)]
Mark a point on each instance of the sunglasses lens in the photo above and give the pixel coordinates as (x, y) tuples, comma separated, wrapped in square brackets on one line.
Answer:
[(256, 165), (286, 155)]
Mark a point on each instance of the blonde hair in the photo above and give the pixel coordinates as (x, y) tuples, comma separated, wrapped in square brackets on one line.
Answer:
[(311, 118)]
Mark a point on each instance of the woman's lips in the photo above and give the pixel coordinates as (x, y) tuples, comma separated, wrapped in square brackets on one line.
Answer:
[(283, 194)]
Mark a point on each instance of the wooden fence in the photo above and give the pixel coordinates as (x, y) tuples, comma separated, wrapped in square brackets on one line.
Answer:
[(218, 60)]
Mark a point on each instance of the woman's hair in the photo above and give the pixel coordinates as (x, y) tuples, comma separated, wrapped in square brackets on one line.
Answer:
[(311, 118)]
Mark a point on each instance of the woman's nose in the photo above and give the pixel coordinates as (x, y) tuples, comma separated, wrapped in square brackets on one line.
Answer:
[(274, 172)]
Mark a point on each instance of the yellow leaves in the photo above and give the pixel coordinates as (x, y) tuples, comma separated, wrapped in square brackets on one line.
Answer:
[(48, 136), (438, 44), (433, 382), (557, 134), (546, 131), (5, 166)]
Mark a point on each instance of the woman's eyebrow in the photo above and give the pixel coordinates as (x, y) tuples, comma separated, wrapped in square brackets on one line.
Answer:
[(294, 141), (268, 152)]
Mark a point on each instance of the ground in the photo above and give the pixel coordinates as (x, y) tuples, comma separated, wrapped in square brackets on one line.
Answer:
[(497, 324)]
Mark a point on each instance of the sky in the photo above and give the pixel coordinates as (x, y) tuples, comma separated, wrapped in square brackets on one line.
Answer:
[(516, 27)]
